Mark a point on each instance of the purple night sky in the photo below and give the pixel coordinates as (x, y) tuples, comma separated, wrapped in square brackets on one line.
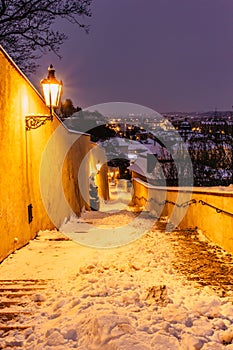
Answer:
[(169, 55)]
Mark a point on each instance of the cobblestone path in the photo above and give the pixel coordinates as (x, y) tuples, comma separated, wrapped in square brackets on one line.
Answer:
[(201, 261)]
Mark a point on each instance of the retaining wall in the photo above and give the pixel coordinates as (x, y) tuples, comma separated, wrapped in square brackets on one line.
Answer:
[(208, 209)]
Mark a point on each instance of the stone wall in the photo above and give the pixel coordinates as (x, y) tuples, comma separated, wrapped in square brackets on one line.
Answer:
[(39, 168), (191, 208)]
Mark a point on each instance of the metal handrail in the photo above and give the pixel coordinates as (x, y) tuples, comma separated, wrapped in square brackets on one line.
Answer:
[(184, 204)]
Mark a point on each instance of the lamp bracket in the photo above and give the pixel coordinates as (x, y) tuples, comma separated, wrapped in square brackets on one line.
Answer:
[(35, 121)]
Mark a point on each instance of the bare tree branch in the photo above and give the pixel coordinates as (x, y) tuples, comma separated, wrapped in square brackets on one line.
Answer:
[(26, 27), (2, 7)]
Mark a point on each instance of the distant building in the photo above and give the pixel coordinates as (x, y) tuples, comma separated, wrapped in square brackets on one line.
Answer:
[(185, 129)]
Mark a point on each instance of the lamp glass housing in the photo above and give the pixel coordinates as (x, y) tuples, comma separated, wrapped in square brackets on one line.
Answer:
[(52, 93), (52, 89)]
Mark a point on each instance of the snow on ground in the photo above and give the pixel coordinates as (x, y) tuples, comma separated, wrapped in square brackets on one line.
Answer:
[(114, 225), (128, 297)]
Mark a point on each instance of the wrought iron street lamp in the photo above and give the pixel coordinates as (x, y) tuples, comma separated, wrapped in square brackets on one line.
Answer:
[(52, 89)]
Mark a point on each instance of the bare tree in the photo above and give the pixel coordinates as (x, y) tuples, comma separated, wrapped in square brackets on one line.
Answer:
[(26, 27)]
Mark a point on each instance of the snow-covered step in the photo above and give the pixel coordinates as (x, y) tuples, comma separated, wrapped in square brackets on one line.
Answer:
[(16, 297)]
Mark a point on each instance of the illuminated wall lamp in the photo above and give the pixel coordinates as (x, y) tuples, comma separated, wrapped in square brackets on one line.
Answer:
[(98, 167), (52, 89)]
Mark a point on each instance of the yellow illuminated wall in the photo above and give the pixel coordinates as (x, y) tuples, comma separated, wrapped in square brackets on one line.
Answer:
[(21, 153)]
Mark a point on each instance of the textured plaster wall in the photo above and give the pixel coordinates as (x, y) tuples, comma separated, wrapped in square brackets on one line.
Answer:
[(218, 227), (27, 167)]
